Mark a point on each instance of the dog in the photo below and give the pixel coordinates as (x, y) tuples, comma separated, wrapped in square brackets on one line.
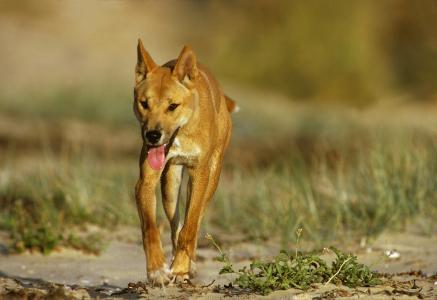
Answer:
[(185, 124)]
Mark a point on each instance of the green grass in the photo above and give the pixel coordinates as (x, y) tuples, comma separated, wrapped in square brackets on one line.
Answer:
[(388, 181), (338, 181), (43, 207)]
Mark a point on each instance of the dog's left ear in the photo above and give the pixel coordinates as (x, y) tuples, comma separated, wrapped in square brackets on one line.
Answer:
[(186, 65)]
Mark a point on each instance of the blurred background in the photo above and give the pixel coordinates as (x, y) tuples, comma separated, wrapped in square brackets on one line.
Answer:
[(336, 135)]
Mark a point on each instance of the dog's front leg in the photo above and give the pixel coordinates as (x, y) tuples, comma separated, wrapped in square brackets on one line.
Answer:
[(170, 187), (157, 270), (185, 252)]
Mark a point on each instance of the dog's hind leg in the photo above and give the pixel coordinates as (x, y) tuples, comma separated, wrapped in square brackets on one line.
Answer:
[(170, 189)]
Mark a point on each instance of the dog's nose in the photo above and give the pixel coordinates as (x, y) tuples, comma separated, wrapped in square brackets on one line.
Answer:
[(153, 136)]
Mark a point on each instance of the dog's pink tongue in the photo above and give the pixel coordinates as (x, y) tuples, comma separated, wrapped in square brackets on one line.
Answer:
[(156, 157)]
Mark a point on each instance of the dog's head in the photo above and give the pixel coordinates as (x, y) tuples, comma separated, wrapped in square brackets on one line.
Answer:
[(163, 97)]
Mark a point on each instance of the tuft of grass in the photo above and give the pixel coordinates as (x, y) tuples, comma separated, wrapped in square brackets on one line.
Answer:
[(40, 238), (92, 243), (293, 269), (42, 208)]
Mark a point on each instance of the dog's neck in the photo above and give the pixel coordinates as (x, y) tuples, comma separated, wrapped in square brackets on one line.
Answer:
[(194, 120)]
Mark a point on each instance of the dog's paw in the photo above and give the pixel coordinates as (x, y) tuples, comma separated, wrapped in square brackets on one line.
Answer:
[(161, 276), (185, 277), (181, 278)]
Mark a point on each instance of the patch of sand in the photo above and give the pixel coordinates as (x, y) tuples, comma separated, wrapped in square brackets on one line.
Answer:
[(71, 274)]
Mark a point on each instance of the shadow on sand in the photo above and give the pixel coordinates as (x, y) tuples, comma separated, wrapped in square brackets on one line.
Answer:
[(15, 287)]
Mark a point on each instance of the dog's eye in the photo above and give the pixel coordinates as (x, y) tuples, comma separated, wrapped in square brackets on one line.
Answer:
[(144, 104), (173, 106)]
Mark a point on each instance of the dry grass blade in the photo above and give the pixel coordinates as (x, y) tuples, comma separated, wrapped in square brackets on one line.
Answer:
[(339, 269)]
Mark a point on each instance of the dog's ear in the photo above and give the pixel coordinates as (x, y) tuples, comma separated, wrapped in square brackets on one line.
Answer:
[(145, 63), (186, 65)]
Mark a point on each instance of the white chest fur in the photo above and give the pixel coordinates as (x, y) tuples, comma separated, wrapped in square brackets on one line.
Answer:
[(184, 151)]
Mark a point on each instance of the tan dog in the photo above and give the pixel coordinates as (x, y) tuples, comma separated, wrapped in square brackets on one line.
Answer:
[(185, 123)]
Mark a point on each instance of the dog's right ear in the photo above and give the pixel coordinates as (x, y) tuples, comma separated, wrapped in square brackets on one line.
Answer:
[(145, 63)]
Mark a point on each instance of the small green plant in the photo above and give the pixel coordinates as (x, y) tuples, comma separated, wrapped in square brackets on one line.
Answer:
[(350, 272), (42, 238), (222, 257), (293, 269), (29, 230)]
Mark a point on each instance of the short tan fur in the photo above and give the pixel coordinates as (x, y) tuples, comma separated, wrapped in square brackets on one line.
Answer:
[(185, 123)]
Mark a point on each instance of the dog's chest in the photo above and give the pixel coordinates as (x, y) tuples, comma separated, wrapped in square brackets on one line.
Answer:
[(184, 152)]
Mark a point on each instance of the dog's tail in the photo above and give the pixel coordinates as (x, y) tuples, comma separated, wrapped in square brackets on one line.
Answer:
[(231, 105)]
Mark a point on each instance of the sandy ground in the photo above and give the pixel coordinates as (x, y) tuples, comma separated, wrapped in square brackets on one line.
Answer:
[(116, 273)]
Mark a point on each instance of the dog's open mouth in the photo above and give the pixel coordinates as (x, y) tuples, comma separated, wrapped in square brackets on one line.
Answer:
[(156, 157)]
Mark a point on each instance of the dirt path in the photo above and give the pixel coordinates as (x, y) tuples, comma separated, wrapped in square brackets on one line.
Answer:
[(72, 274)]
